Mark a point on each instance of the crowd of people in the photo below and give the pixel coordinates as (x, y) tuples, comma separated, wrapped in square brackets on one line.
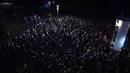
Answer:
[(64, 44)]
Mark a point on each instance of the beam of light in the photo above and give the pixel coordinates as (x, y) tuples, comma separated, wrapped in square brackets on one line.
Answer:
[(118, 45), (122, 40), (57, 7)]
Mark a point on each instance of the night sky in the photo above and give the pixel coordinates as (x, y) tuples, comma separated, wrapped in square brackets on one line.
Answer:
[(86, 8)]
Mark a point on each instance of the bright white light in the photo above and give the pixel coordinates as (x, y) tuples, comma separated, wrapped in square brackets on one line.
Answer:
[(5, 3), (57, 9), (122, 40), (57, 6), (119, 23), (87, 50), (43, 34), (49, 3)]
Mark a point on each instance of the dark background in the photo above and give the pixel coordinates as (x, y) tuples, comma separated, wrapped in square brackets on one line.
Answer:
[(95, 9)]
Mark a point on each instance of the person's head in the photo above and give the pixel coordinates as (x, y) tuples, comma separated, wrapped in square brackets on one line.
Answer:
[(122, 48), (112, 46)]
